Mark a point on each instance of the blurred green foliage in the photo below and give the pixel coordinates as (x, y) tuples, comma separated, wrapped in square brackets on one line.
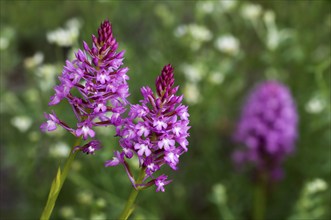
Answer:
[(219, 49)]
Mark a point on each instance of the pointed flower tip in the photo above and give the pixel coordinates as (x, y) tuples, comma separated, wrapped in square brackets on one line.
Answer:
[(168, 68), (106, 22), (165, 81), (105, 33)]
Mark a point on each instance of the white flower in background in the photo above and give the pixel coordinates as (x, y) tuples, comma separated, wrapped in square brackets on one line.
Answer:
[(228, 5), (317, 185), (180, 31), (315, 105), (65, 37), (227, 44), (67, 212), (4, 43), (192, 93), (98, 216), (251, 12), (219, 197), (192, 73), (60, 149), (312, 201), (74, 23), (197, 34), (6, 34), (85, 197), (273, 39), (216, 78), (22, 123), (274, 36), (47, 73), (200, 33), (269, 17), (101, 202), (34, 61), (219, 193), (206, 7)]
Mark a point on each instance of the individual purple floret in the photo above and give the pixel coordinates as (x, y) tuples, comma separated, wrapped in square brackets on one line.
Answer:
[(267, 129), (160, 182), (156, 131), (94, 85), (90, 147)]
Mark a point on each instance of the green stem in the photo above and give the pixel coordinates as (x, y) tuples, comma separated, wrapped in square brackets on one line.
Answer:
[(129, 206), (259, 200), (58, 183)]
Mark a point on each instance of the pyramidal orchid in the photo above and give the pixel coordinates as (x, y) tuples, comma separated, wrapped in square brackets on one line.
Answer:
[(94, 84), (267, 129), (156, 131)]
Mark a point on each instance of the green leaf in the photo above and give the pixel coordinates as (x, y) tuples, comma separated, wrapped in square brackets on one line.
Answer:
[(56, 184)]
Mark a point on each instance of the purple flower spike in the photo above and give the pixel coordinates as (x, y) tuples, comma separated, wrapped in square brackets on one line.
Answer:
[(97, 75), (156, 130), (267, 129)]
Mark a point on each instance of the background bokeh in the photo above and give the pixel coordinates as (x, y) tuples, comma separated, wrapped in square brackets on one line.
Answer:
[(220, 50)]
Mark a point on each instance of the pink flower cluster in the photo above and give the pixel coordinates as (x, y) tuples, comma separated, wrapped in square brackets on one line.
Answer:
[(156, 130), (94, 84)]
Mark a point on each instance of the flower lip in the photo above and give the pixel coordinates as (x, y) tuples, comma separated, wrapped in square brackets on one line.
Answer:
[(159, 124)]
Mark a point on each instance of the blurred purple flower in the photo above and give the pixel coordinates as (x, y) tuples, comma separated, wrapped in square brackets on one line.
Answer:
[(153, 128), (267, 129), (94, 85)]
